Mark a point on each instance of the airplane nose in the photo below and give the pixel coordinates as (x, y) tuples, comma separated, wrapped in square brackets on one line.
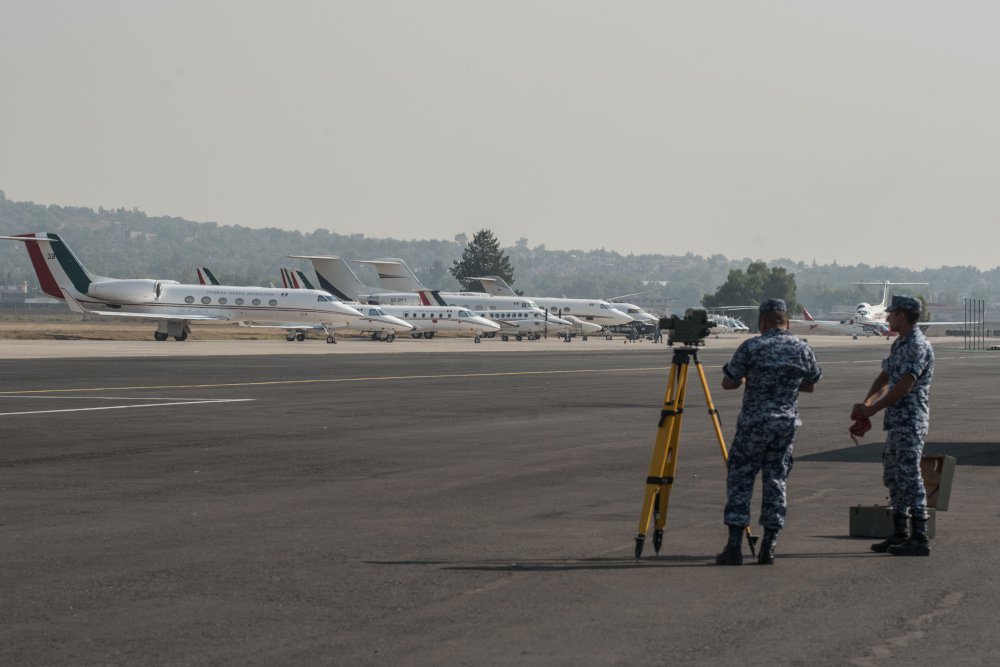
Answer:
[(402, 325), (344, 309)]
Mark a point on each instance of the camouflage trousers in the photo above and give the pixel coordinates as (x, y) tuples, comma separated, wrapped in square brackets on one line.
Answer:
[(901, 473), (765, 448)]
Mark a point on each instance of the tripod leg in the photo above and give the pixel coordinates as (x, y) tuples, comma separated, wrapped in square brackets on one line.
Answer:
[(664, 461), (714, 414)]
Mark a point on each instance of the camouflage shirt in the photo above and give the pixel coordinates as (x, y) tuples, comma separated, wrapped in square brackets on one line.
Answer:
[(911, 354), (775, 364)]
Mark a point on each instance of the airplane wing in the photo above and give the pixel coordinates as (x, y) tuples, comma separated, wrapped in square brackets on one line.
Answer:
[(75, 306), (159, 317), (932, 323), (311, 326)]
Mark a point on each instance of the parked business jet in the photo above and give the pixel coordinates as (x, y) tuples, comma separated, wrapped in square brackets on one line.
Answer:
[(519, 316), (424, 320), (870, 319), (852, 327), (596, 311), (381, 325), (868, 312), (173, 306), (516, 316)]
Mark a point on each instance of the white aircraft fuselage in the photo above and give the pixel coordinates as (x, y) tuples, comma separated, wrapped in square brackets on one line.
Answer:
[(174, 305)]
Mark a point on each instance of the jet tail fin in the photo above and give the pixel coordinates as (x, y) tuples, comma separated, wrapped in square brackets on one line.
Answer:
[(206, 277), (395, 275), (431, 298), (806, 315), (56, 266), (295, 279)]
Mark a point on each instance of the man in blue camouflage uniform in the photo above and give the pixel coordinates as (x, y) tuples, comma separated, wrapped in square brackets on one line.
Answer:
[(903, 389), (776, 366)]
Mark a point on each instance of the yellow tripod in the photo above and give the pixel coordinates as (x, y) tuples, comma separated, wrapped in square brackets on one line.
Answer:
[(664, 463)]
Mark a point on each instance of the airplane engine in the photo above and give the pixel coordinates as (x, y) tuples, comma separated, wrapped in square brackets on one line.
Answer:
[(138, 290)]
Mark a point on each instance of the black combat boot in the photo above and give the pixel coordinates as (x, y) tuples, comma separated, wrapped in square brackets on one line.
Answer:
[(917, 544), (733, 553), (766, 555), (900, 533)]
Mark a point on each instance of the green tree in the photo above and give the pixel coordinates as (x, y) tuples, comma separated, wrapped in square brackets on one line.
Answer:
[(483, 257), (753, 286)]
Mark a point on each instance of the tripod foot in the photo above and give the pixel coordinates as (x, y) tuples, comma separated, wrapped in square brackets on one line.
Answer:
[(639, 540), (657, 540)]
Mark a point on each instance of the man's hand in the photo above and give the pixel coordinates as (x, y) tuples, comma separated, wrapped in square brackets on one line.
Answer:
[(861, 410), (731, 384)]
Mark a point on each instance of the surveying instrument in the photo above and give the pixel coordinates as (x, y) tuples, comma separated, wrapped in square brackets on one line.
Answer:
[(691, 331)]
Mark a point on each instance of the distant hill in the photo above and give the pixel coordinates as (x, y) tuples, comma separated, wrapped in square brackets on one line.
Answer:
[(128, 243)]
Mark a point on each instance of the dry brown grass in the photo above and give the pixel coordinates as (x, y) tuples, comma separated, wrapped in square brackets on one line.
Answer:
[(68, 326)]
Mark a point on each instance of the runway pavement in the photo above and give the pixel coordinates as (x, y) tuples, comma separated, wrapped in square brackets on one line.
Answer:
[(458, 507)]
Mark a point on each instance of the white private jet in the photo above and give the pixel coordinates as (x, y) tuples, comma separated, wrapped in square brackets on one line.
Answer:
[(382, 326), (869, 319), (517, 316), (596, 311), (173, 306), (850, 326), (424, 320), (520, 316)]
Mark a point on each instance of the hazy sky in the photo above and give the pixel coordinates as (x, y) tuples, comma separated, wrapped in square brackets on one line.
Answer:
[(859, 131)]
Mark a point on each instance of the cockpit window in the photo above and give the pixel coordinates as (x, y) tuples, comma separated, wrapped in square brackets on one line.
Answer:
[(464, 313)]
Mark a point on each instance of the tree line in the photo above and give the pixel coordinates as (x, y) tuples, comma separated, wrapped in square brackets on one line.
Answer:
[(128, 243)]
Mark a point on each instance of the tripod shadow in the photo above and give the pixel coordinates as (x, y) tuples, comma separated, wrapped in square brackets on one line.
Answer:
[(556, 564), (965, 453)]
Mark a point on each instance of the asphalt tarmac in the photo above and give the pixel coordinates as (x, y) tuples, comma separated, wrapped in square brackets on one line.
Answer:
[(460, 507)]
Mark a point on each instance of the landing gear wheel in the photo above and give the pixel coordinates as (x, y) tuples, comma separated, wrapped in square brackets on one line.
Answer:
[(478, 340), (182, 337), (290, 337), (391, 337), (159, 335), (504, 338), (417, 334), (519, 338), (300, 336), (331, 339), (531, 336), (428, 334), (491, 334)]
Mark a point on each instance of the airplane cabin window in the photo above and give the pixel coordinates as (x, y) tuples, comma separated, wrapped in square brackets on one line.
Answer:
[(223, 301), (272, 302), (239, 302), (256, 302), (206, 299), (189, 299)]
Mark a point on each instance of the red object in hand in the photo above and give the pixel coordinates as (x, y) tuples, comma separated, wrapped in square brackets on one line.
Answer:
[(860, 426)]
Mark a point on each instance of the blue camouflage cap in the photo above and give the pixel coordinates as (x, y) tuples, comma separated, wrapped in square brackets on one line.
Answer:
[(773, 304), (907, 304)]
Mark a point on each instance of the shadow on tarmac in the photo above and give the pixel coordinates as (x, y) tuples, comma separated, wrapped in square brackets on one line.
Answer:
[(561, 565), (597, 564), (965, 453)]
